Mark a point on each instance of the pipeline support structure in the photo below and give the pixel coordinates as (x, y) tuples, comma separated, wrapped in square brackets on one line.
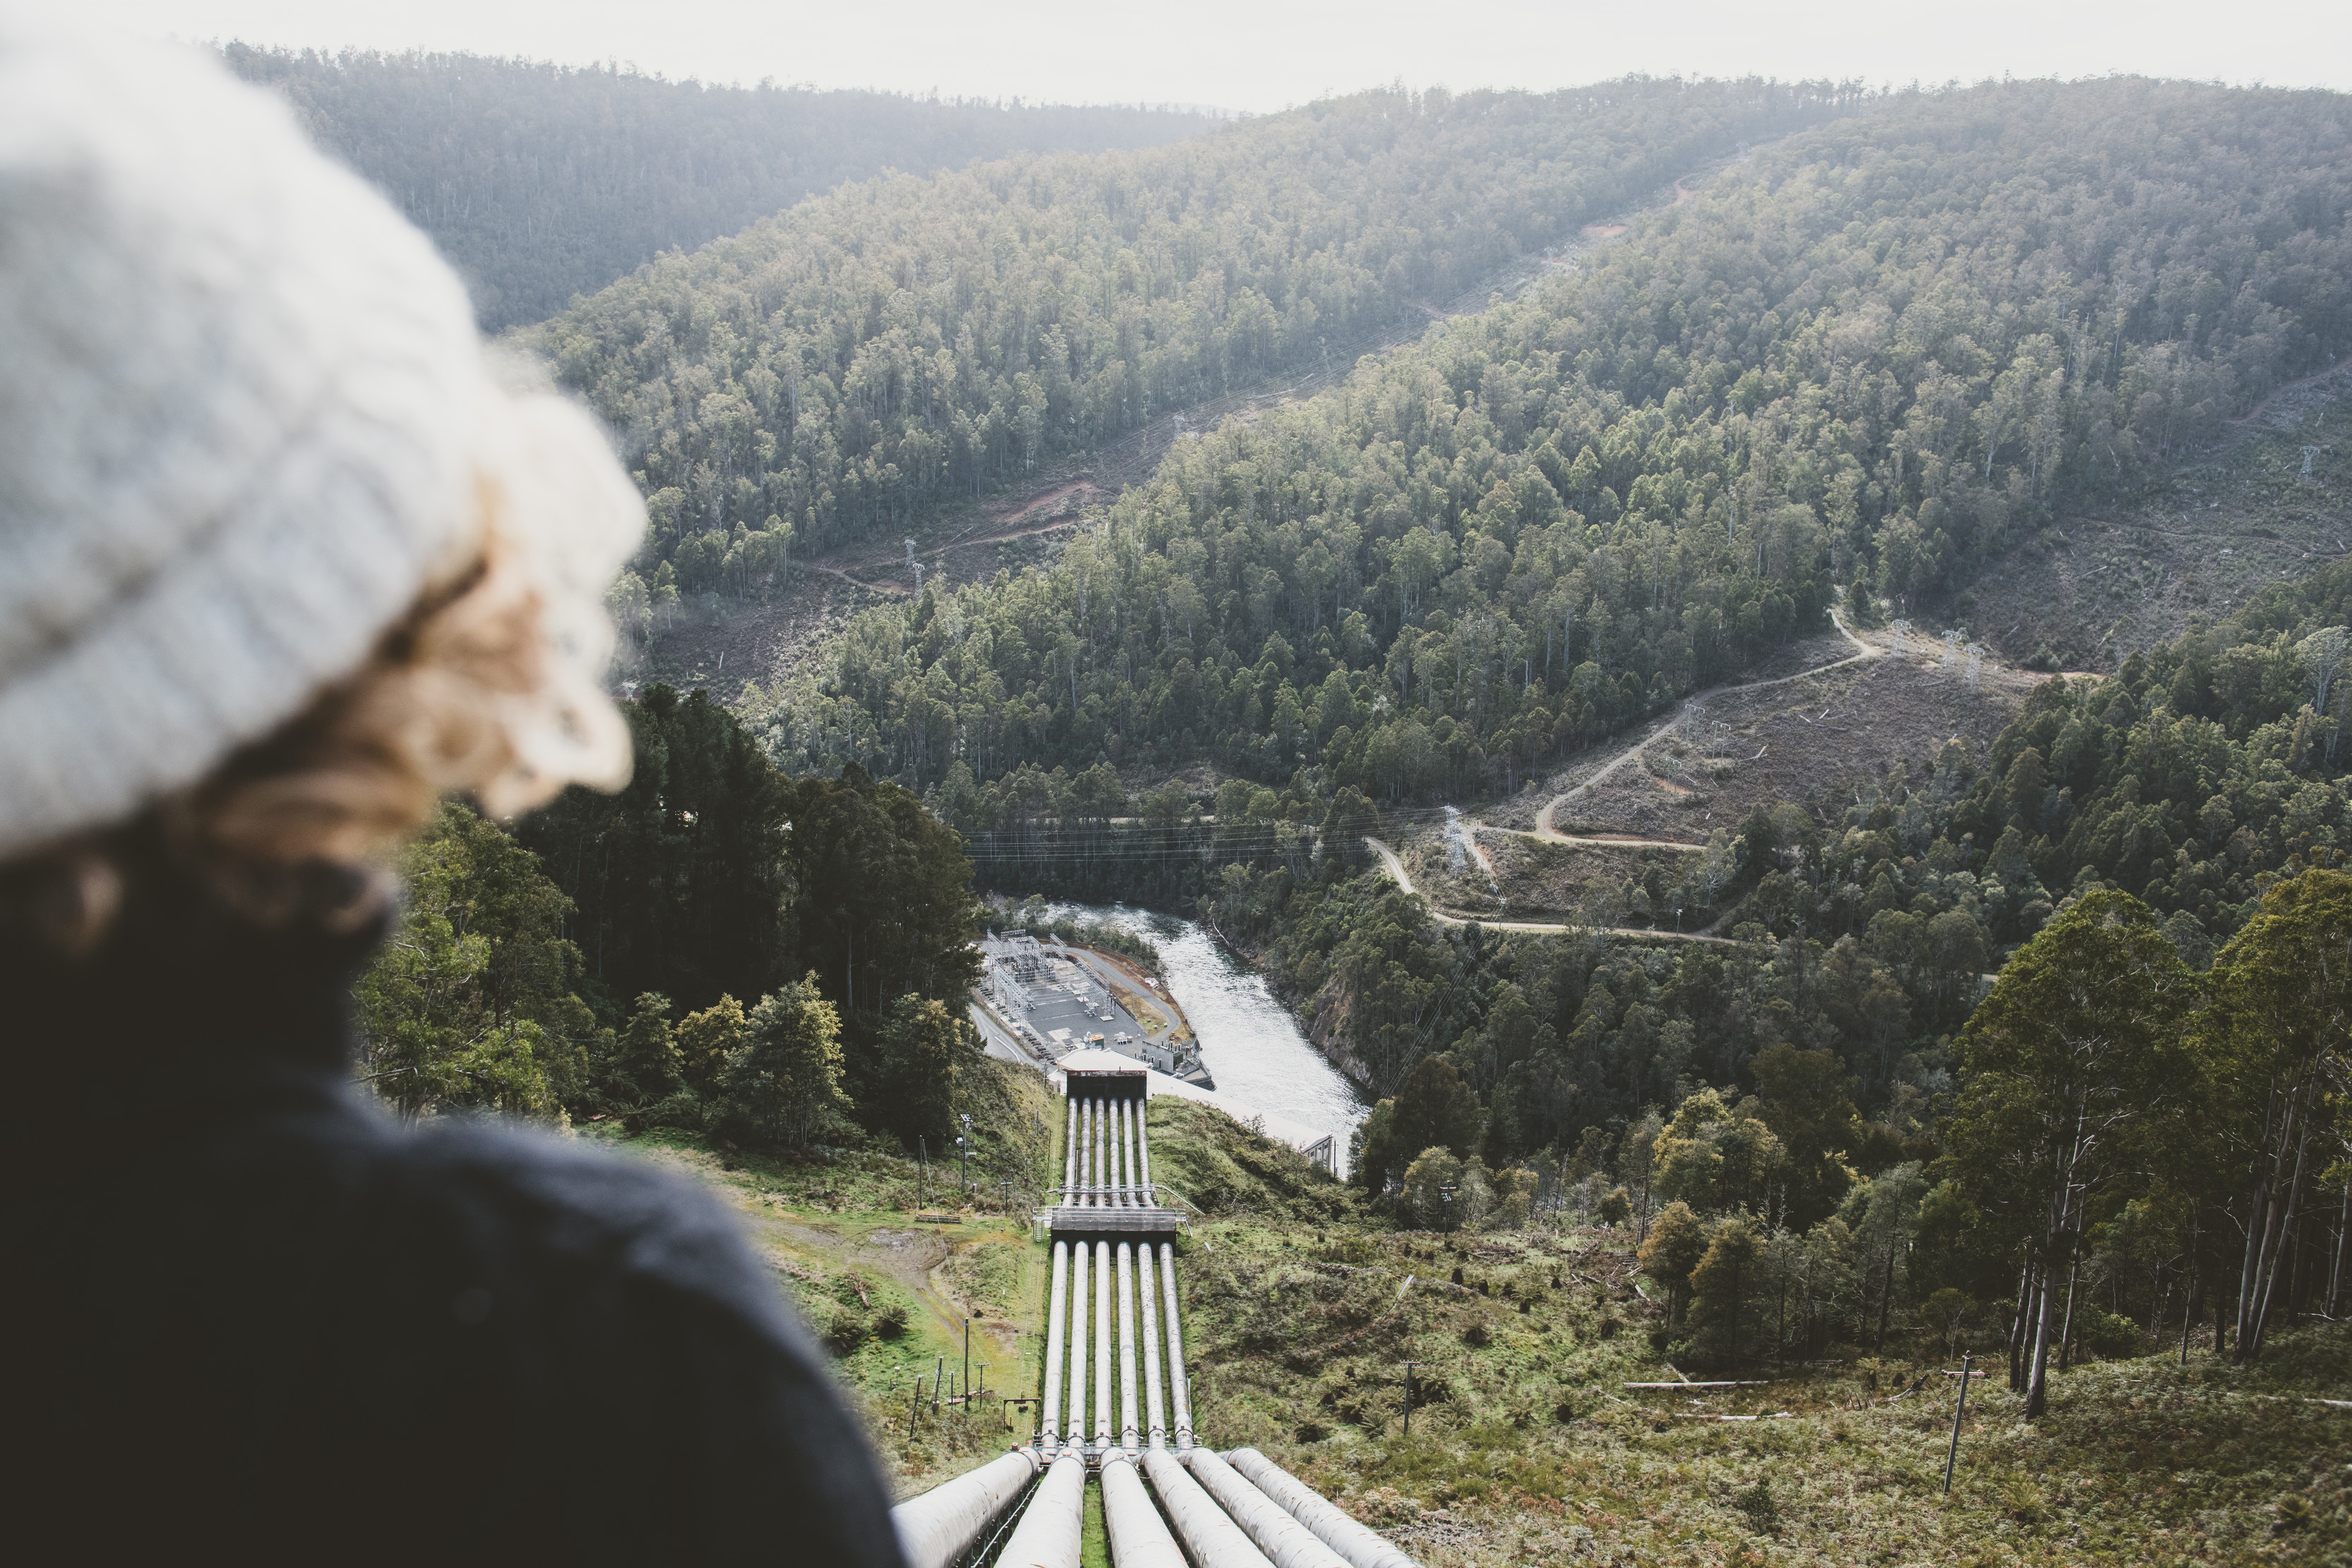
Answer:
[(1167, 1502)]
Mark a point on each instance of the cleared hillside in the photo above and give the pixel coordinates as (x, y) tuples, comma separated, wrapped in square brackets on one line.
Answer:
[(2196, 543), (1527, 1446), (1302, 1306)]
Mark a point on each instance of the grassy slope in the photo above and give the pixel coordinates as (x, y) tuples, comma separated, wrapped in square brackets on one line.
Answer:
[(1525, 1449), (830, 1226)]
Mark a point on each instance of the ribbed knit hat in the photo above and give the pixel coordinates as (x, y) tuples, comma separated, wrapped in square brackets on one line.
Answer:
[(245, 417)]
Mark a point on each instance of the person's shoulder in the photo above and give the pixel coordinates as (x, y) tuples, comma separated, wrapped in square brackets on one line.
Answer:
[(573, 1203), (616, 1259)]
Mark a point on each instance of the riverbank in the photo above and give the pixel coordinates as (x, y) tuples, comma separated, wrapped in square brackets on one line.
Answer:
[(1253, 1047)]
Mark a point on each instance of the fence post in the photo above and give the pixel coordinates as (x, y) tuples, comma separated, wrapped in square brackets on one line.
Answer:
[(1958, 1410)]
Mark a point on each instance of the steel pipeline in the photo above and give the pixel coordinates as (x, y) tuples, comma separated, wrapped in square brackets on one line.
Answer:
[(1052, 1526), (1139, 1536), (1285, 1541), (940, 1526), (1352, 1540), (1209, 1539)]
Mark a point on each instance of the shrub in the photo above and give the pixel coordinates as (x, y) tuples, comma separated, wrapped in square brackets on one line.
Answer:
[(2022, 1499), (845, 1332), (2103, 1333), (683, 1109), (1763, 1513), (891, 1321)]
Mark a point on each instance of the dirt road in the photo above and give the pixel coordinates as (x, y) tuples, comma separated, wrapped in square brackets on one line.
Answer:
[(1395, 868), (1543, 829)]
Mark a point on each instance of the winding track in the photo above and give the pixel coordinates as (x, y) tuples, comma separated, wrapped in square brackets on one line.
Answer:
[(1636, 933), (1543, 829)]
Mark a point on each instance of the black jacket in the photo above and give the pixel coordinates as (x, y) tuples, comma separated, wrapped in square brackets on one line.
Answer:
[(247, 1315)]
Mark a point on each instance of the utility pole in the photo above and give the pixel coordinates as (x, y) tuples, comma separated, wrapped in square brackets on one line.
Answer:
[(922, 1169), (1408, 1397), (1958, 1410)]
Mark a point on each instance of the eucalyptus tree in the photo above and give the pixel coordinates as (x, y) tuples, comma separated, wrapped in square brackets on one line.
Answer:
[(2069, 1070), (2275, 1032)]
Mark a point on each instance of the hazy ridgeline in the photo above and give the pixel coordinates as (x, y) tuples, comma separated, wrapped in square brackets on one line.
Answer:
[(543, 182)]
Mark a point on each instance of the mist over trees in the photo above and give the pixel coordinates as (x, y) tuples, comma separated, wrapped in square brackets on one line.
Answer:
[(541, 181)]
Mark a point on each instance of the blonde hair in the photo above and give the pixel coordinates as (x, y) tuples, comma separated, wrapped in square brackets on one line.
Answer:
[(435, 710)]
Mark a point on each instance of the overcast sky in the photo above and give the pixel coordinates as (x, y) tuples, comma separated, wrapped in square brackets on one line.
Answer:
[(1263, 54)]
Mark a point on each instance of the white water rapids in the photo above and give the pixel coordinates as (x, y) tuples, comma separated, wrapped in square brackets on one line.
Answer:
[(1250, 1044)]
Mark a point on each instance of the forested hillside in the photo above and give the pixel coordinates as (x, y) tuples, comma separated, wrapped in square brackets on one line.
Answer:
[(1818, 1106), (910, 341), (2034, 1044), (1874, 354), (543, 182)]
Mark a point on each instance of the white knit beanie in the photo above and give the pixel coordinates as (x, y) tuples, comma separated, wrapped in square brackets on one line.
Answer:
[(245, 417)]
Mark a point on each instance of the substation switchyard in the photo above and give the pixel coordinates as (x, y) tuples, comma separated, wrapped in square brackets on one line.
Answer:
[(1119, 1414)]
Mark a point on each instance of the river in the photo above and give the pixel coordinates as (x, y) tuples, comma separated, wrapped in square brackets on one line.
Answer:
[(1250, 1044)]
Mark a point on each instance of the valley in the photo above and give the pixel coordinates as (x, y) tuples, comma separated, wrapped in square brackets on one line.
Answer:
[(1737, 687)]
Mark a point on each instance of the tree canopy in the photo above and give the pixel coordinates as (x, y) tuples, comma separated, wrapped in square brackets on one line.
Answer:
[(1882, 350), (908, 340)]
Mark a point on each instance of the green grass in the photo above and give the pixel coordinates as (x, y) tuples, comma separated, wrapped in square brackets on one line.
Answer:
[(1525, 1447), (1222, 1168), (839, 1230), (1094, 1538)]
